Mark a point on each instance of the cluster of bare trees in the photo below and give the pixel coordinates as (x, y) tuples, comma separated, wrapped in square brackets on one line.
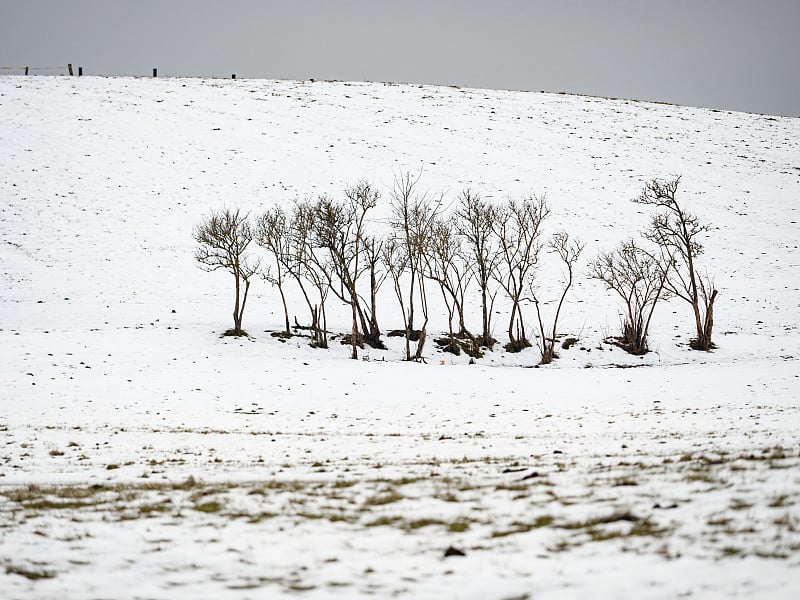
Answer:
[(664, 264), (332, 248), (328, 248)]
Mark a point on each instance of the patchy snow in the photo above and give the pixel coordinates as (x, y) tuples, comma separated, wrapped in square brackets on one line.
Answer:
[(141, 455)]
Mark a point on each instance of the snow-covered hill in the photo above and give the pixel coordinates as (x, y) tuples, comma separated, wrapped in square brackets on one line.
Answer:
[(113, 373)]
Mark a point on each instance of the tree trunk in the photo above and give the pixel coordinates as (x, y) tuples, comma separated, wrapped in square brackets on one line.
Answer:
[(373, 293), (315, 325), (703, 341), (354, 332), (450, 311), (285, 310), (244, 302), (237, 322), (511, 337), (324, 323), (462, 327), (485, 319), (421, 341), (410, 322), (363, 320), (424, 331)]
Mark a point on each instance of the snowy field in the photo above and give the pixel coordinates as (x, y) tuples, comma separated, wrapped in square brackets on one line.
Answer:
[(142, 455)]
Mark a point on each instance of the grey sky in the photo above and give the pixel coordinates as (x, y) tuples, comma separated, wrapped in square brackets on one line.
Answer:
[(733, 54)]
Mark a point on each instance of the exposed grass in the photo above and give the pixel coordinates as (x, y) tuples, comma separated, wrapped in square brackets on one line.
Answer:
[(382, 521), (343, 483), (605, 528), (518, 527), (447, 496), (647, 528), (356, 497), (401, 481), (625, 482), (779, 501), (299, 587), (259, 517), (458, 527), (45, 504), (383, 498), (157, 508), (775, 554), (511, 487), (700, 476), (739, 504), (603, 520), (204, 492), (333, 517), (710, 460), (34, 492), (420, 523), (788, 522), (208, 507), (32, 574), (603, 535)]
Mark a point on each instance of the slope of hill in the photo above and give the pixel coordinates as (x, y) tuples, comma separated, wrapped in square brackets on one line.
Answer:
[(164, 456)]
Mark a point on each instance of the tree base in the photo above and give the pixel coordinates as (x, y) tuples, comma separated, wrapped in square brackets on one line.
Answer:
[(374, 341), (569, 343), (235, 333), (517, 345), (414, 334), (694, 344), (347, 340), (633, 348), (456, 346)]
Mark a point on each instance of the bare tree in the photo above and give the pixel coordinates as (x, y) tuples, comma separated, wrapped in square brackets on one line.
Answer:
[(272, 233), (517, 228), (569, 252), (412, 218), (373, 251), (638, 277), (677, 232), (223, 238), (339, 230), (363, 198), (476, 221), (306, 266), (446, 265), (396, 261)]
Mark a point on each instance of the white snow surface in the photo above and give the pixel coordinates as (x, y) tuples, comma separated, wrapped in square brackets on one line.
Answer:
[(142, 455)]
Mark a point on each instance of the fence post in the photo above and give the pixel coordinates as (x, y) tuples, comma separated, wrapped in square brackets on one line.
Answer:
[(26, 70), (69, 67), (155, 72), (233, 76), (80, 71)]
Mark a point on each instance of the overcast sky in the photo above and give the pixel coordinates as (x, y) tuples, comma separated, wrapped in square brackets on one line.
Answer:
[(733, 54)]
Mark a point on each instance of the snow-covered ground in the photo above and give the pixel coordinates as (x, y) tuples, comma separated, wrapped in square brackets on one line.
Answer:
[(144, 456)]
